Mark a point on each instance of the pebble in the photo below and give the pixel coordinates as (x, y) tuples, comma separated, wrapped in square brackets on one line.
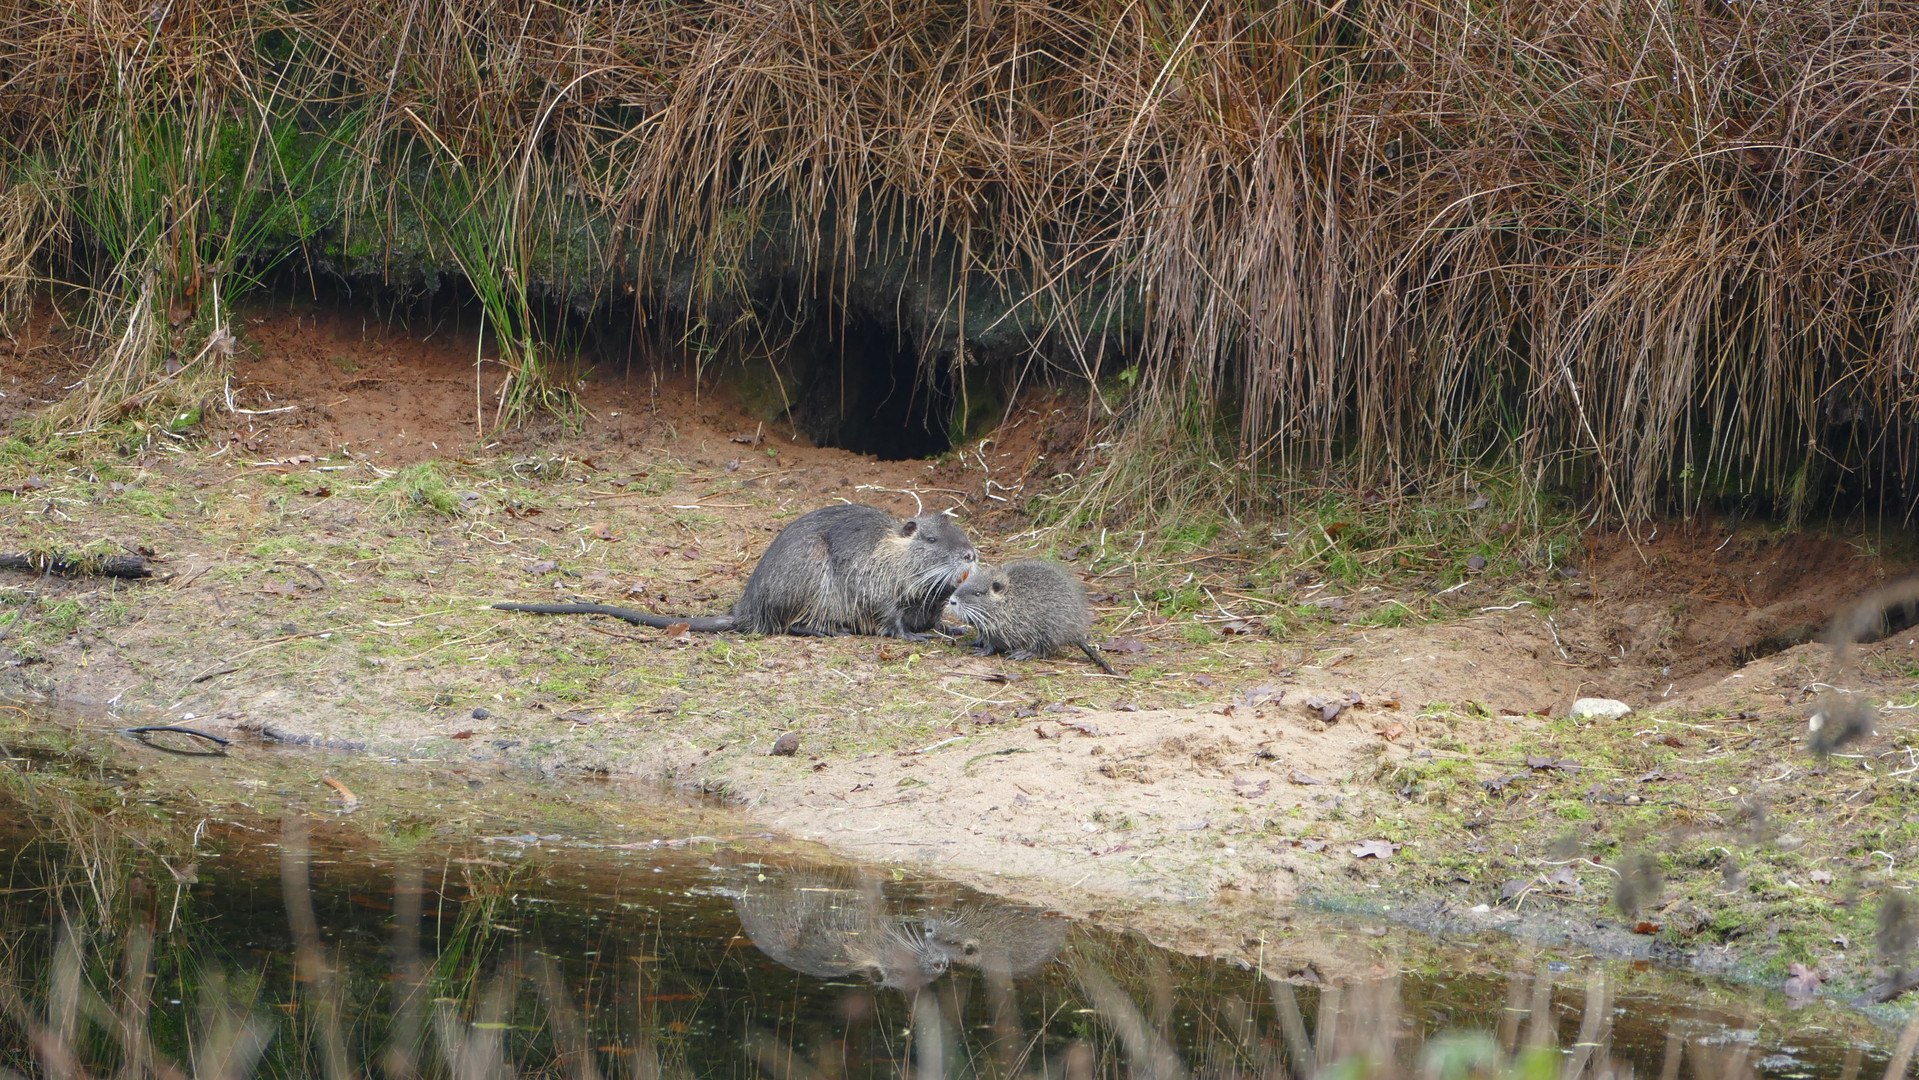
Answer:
[(1598, 708), (481, 714)]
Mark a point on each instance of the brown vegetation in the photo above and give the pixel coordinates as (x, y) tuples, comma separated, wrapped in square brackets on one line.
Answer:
[(1663, 252)]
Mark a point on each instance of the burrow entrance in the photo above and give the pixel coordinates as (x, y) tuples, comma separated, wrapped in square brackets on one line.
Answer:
[(864, 390)]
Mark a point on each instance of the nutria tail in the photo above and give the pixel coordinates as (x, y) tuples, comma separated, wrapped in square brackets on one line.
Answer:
[(707, 624)]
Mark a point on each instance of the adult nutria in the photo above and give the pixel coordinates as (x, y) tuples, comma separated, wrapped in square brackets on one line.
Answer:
[(1026, 609), (820, 923), (837, 570), (998, 938)]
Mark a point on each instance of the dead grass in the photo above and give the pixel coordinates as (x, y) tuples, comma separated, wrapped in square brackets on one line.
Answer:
[(1586, 241)]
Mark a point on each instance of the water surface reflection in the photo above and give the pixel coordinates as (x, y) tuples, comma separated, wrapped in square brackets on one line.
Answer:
[(143, 936)]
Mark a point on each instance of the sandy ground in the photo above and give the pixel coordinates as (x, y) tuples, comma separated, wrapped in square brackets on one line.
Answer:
[(1321, 755)]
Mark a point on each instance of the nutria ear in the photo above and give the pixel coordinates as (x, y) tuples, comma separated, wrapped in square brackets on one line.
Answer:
[(909, 527)]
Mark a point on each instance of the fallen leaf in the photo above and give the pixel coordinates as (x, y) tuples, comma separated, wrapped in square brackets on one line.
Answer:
[(1821, 877), (582, 719), (544, 566), (1478, 504), (1246, 789), (1202, 679), (349, 802), (1392, 732), (1196, 826), (1658, 775), (1330, 708), (680, 633), (1237, 627), (1374, 849), (1477, 562), (1537, 761), (1304, 779), (1645, 928), (1125, 645), (1315, 846), (1081, 726), (786, 745), (461, 735), (601, 532), (1261, 695), (733, 466)]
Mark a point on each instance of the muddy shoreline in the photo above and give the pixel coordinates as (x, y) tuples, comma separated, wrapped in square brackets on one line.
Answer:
[(1280, 734)]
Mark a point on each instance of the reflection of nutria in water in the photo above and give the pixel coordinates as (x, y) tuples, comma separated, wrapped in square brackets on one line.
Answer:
[(831, 926), (1000, 939)]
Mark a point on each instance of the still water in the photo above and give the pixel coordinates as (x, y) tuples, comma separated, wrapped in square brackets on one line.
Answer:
[(266, 913)]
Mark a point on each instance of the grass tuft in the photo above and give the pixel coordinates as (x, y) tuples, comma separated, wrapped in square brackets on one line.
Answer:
[(415, 489)]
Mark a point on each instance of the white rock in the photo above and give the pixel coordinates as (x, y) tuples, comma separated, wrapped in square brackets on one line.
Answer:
[(1598, 708)]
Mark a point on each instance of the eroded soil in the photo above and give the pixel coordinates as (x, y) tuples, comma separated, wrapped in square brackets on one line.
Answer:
[(329, 545)]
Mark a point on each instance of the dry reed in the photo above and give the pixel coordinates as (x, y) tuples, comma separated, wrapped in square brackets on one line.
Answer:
[(1665, 251)]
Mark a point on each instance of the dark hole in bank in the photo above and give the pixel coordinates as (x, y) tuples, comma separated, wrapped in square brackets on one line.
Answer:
[(855, 385), (863, 390)]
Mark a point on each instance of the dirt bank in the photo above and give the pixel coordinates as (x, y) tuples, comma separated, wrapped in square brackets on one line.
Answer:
[(1279, 733)]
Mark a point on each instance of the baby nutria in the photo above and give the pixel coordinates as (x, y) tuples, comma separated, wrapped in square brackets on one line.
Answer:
[(846, 569), (1026, 609)]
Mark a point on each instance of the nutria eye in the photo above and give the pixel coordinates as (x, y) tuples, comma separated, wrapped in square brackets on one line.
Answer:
[(999, 586)]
